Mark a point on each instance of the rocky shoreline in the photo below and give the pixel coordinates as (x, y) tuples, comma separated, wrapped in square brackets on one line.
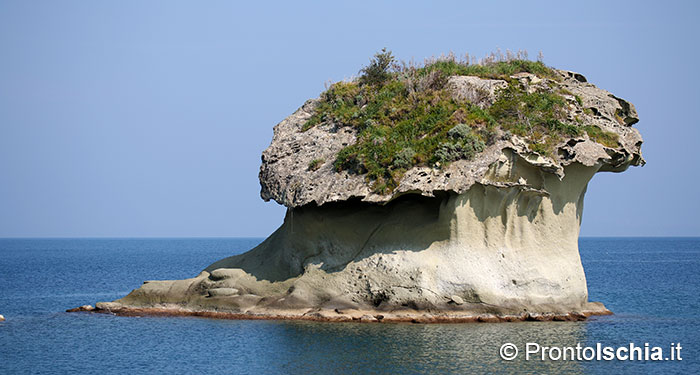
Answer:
[(350, 315)]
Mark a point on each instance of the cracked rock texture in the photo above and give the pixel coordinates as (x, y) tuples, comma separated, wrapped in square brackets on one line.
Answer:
[(494, 236)]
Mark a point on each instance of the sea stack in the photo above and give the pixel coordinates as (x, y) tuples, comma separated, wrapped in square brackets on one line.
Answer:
[(443, 192)]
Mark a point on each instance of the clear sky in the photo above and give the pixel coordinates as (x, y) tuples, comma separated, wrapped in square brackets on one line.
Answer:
[(147, 118)]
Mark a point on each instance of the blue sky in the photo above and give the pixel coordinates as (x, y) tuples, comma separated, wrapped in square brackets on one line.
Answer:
[(133, 118)]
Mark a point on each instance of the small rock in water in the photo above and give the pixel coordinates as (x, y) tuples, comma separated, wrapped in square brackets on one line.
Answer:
[(2, 318), (457, 299)]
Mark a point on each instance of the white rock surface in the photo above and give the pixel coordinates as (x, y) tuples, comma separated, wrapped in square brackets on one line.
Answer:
[(500, 250), (493, 238)]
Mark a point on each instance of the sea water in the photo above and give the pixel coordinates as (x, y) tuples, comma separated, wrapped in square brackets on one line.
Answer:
[(652, 285)]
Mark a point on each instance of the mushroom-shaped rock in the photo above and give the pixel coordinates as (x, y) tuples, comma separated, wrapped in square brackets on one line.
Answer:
[(405, 188)]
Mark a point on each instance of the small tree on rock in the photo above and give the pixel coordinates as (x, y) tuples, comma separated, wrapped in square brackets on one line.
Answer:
[(378, 70)]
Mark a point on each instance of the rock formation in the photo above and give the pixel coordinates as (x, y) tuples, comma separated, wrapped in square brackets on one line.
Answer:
[(490, 238)]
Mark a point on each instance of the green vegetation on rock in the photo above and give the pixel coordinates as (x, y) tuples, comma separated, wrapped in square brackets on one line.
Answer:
[(406, 116), (492, 70), (601, 136)]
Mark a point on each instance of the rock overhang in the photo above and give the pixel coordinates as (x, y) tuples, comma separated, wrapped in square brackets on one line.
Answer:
[(287, 178)]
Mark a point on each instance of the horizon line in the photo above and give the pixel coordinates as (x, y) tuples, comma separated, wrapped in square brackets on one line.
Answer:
[(254, 237)]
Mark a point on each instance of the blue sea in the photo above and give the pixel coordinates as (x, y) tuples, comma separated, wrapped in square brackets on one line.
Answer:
[(652, 285)]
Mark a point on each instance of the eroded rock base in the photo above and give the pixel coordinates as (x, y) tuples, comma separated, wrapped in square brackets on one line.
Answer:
[(506, 251)]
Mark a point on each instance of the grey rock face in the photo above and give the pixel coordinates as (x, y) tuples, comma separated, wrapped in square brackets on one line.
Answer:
[(286, 176)]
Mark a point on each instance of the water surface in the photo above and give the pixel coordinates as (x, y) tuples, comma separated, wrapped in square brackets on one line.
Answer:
[(652, 285)]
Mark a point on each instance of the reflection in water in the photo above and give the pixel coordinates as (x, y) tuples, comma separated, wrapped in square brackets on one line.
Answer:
[(412, 348)]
